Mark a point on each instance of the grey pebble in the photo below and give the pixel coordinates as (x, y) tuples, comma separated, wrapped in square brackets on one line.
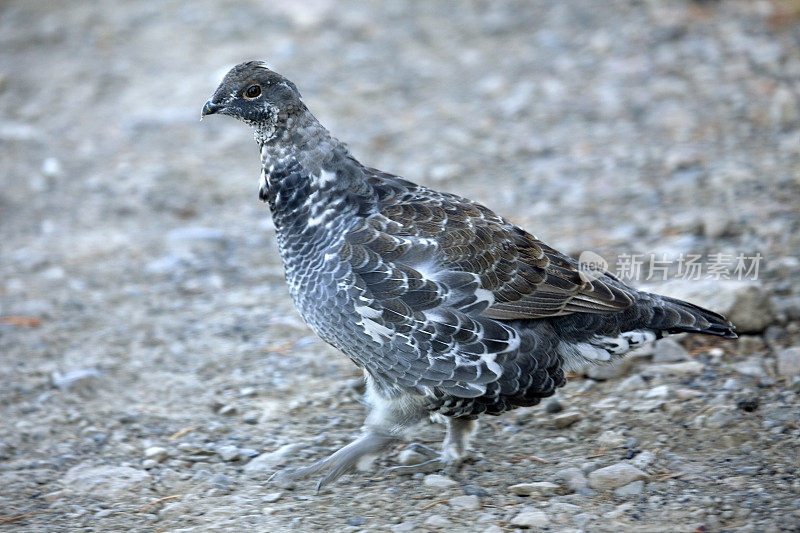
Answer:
[(566, 419), (228, 452), (221, 482), (553, 406)]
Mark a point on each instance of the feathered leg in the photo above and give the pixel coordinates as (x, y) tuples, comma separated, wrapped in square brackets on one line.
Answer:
[(385, 424)]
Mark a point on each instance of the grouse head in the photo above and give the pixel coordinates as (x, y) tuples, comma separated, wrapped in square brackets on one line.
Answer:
[(257, 96)]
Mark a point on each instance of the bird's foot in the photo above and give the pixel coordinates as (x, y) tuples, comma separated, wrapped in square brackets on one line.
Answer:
[(347, 458), (423, 450), (435, 461), (426, 467)]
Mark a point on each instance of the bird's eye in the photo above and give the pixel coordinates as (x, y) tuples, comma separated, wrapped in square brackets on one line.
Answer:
[(254, 91)]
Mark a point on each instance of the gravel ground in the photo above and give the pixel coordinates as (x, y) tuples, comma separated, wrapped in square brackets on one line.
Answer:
[(153, 372)]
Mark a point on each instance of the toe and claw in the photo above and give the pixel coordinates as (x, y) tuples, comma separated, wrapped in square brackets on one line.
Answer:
[(371, 443)]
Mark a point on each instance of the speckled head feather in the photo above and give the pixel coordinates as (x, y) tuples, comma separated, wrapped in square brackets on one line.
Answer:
[(255, 95)]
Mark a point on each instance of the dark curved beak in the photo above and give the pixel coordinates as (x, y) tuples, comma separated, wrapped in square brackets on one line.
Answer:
[(210, 108)]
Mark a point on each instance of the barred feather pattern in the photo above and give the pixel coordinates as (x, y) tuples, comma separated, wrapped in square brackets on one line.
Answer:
[(435, 295)]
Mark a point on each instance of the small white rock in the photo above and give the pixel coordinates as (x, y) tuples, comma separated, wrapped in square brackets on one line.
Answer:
[(615, 476), (731, 384), (438, 481), (530, 517), (271, 497), (535, 488), (466, 502), (437, 522), (156, 453), (659, 392), (611, 439), (51, 167)]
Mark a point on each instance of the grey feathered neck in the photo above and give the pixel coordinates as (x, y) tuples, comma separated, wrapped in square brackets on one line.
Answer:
[(303, 165)]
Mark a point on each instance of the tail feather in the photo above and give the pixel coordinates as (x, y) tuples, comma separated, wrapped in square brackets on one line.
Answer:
[(678, 316)]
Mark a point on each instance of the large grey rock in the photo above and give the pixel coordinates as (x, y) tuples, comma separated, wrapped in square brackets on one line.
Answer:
[(669, 351), (103, 480), (745, 303), (789, 362), (615, 476)]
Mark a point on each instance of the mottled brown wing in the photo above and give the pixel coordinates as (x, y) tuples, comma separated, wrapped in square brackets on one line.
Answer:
[(527, 278)]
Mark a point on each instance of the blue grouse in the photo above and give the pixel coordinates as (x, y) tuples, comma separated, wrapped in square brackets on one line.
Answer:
[(448, 308)]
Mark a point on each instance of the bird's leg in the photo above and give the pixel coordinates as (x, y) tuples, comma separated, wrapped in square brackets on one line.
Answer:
[(454, 449), (365, 447), (385, 424), (456, 442)]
